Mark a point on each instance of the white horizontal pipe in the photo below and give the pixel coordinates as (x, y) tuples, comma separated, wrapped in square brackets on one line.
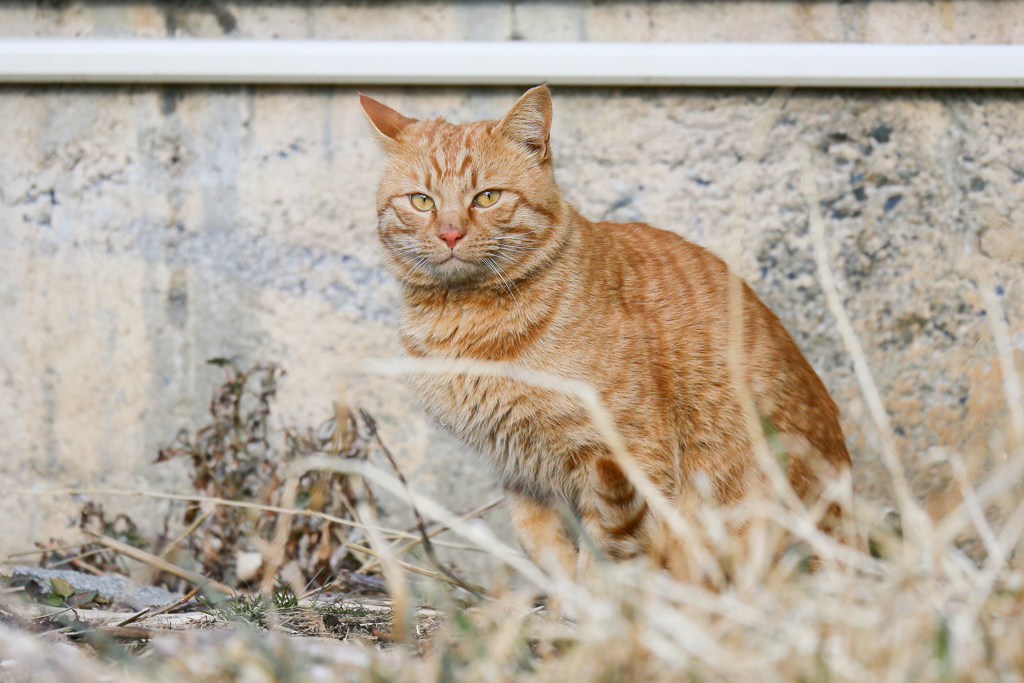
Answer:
[(511, 63)]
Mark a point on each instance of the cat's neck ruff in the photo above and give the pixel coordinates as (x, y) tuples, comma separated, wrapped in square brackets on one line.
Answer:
[(492, 322)]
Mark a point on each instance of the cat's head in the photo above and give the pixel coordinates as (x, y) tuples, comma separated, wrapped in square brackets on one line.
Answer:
[(471, 205)]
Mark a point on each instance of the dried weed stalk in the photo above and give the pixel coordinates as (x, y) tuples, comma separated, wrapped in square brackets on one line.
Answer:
[(238, 457)]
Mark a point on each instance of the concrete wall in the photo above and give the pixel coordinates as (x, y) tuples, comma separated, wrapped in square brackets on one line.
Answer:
[(146, 229)]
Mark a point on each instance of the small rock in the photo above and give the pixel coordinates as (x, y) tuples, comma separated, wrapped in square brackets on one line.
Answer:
[(247, 565), (891, 202), (116, 588)]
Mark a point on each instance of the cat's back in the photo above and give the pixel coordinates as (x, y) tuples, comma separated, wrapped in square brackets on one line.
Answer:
[(680, 284), (654, 270), (668, 300)]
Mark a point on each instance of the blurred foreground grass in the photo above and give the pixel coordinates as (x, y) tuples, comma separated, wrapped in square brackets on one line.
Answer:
[(916, 609)]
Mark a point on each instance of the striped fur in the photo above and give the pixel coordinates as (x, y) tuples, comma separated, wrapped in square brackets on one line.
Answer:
[(638, 312)]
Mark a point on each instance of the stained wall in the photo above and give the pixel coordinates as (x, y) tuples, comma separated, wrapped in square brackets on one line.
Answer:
[(145, 229)]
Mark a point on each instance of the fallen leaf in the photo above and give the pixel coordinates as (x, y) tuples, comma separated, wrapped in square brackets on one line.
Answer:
[(62, 587)]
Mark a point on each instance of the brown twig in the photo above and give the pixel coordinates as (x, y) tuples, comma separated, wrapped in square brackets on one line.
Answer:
[(43, 551), (166, 608), (177, 603), (421, 571), (120, 632), (486, 507), (216, 501), (135, 617), (161, 564), (184, 534), (428, 547), (76, 559), (85, 566)]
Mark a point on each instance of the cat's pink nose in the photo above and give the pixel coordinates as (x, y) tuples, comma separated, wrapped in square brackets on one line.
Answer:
[(451, 237)]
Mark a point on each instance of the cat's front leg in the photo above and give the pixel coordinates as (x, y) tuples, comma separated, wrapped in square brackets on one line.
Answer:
[(541, 532)]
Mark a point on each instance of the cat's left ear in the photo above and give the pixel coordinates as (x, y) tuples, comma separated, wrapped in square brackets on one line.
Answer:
[(528, 122), (387, 123)]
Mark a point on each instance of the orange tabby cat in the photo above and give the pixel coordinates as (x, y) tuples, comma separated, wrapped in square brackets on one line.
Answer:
[(495, 264)]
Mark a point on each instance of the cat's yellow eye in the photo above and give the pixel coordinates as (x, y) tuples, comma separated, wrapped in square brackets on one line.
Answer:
[(421, 202), (486, 198)]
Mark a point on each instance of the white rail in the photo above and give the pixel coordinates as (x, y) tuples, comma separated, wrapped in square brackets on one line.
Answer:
[(511, 63)]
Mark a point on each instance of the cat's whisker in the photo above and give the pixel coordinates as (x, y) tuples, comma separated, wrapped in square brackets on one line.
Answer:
[(404, 247), (511, 245), (502, 269), (506, 257), (503, 279), (491, 268), (509, 279), (410, 267), (514, 240), (513, 259), (513, 236)]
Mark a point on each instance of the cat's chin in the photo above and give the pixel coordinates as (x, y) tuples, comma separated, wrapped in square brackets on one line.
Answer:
[(454, 273), (457, 272)]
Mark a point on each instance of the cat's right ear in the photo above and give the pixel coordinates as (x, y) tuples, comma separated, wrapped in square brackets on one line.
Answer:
[(387, 123)]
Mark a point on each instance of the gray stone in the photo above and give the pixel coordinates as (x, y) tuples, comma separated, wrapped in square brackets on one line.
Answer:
[(116, 588)]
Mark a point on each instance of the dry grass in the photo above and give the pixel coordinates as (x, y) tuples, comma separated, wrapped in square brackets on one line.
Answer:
[(922, 611), (918, 609), (901, 618)]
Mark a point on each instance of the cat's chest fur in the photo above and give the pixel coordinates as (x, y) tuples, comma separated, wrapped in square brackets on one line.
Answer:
[(532, 436)]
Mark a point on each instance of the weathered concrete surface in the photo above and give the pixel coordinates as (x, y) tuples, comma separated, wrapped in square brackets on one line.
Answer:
[(893, 21), (145, 230)]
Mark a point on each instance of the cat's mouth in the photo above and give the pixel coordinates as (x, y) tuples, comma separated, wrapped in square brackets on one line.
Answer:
[(457, 266), (442, 269), (453, 260), (458, 270)]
